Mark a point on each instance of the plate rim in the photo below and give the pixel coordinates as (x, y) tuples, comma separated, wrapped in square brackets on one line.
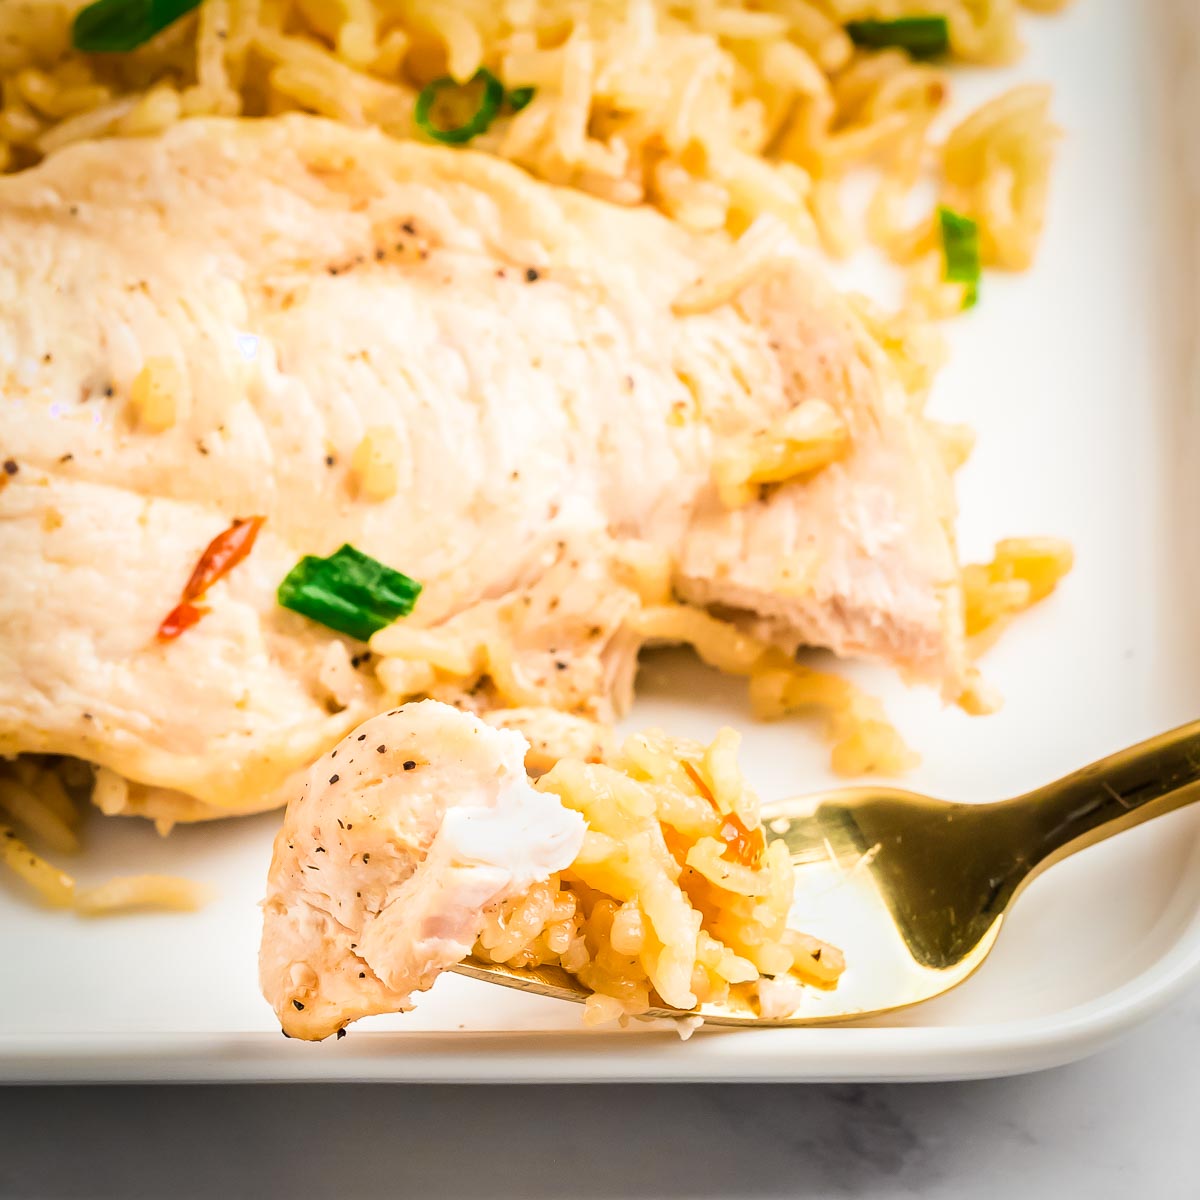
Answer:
[(851, 1053)]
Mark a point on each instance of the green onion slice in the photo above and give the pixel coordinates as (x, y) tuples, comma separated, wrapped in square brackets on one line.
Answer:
[(455, 135), (114, 26), (518, 98), (960, 249), (922, 37), (349, 591)]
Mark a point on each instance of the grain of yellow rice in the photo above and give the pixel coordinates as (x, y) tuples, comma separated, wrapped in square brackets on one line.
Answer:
[(127, 892), (54, 887)]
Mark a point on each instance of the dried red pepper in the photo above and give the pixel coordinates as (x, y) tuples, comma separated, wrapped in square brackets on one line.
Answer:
[(220, 556), (182, 616), (741, 844)]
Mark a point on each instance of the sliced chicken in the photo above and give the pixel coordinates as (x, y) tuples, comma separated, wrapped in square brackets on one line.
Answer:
[(402, 838), (478, 379)]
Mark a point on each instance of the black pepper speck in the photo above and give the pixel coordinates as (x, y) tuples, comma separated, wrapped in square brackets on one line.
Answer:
[(334, 778), (10, 466), (531, 275), (410, 765), (341, 1033), (298, 1005)]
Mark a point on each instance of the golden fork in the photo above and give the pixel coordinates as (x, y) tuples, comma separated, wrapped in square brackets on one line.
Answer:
[(915, 890)]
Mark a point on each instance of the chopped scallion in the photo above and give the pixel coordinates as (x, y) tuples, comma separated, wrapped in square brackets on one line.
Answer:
[(115, 26), (960, 250), (921, 37), (518, 98), (492, 96), (349, 591)]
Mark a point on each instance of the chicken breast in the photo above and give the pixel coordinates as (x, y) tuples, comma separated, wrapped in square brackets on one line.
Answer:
[(402, 837), (478, 379)]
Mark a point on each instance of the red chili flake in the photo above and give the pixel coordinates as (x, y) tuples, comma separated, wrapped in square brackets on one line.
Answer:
[(702, 787), (181, 617), (741, 844), (220, 556)]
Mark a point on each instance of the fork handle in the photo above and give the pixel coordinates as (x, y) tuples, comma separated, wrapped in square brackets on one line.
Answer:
[(1146, 781)]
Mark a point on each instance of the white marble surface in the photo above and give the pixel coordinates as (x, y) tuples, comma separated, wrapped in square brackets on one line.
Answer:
[(1118, 1125)]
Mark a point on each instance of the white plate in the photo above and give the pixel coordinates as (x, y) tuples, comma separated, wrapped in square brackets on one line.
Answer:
[(1077, 379)]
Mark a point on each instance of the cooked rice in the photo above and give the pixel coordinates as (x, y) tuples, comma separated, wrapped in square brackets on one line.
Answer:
[(808, 438), (54, 888), (717, 111), (375, 463), (674, 899), (155, 394), (36, 797), (167, 893), (861, 738), (1022, 572)]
